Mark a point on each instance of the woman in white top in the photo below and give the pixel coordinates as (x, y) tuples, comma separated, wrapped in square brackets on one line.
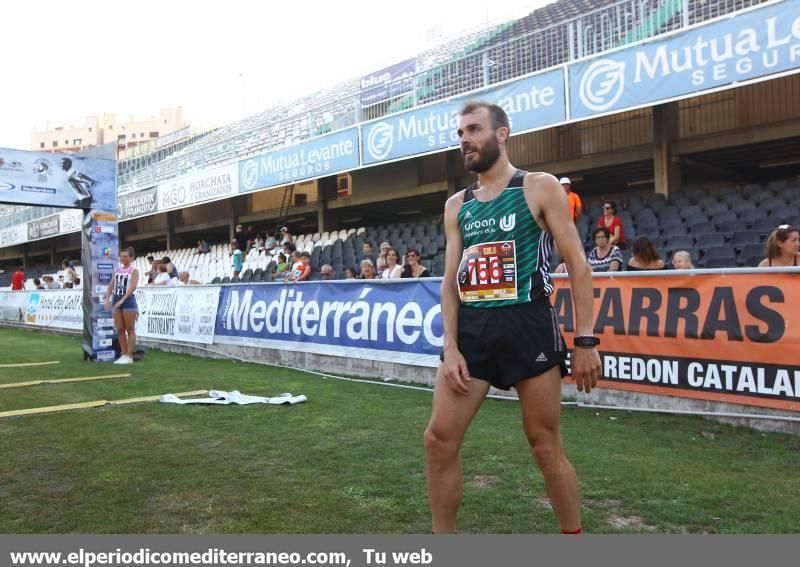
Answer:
[(69, 274), (392, 269), (163, 276)]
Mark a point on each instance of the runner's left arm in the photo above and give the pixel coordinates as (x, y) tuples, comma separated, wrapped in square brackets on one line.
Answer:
[(553, 206)]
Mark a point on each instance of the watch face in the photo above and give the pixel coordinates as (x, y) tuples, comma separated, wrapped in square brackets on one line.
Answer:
[(587, 341)]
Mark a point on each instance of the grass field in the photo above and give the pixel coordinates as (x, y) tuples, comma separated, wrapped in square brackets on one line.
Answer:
[(350, 460)]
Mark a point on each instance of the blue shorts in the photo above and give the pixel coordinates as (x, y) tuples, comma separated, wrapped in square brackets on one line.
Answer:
[(128, 305)]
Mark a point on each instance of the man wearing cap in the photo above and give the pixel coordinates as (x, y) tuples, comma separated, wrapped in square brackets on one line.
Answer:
[(575, 205), (286, 236)]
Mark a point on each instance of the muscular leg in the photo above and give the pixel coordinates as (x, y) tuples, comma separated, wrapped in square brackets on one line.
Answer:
[(130, 326), (540, 398), (119, 324), (452, 414)]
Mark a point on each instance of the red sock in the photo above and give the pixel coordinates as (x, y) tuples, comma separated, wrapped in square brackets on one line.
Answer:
[(579, 531)]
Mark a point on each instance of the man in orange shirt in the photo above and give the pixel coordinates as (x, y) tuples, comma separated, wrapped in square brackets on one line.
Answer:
[(575, 205)]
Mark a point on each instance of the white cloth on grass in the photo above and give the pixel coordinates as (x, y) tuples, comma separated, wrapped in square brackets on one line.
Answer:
[(222, 398)]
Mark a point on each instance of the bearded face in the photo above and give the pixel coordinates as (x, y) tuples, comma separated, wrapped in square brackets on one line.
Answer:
[(480, 158)]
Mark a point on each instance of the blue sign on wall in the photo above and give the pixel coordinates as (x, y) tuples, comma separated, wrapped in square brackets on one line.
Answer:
[(319, 157), (533, 102), (402, 319), (751, 45)]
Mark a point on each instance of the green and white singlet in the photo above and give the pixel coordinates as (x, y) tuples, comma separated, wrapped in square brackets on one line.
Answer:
[(506, 259)]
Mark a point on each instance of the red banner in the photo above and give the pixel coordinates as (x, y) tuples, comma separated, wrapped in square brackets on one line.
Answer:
[(731, 338)]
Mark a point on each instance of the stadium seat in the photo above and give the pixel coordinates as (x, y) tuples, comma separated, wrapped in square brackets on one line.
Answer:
[(679, 242), (751, 215), (721, 252), (716, 263), (742, 238), (709, 240)]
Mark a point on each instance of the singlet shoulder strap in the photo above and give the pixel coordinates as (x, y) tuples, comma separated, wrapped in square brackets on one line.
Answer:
[(469, 194), (517, 179)]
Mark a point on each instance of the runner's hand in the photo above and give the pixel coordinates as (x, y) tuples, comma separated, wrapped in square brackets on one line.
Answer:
[(455, 371), (107, 304), (585, 368)]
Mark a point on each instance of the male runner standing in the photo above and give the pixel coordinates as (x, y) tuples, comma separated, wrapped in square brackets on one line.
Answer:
[(499, 326)]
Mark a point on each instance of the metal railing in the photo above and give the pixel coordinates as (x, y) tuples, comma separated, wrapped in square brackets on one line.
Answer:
[(499, 54), (475, 61)]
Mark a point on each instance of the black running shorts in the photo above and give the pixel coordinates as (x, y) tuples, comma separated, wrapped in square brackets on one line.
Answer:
[(504, 345)]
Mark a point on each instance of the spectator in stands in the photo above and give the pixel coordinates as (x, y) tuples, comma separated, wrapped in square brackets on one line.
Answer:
[(286, 236), (237, 258), (612, 222), (282, 264), (367, 252), (260, 242), (301, 270), (270, 242), (412, 268), (163, 276), (367, 270), (326, 271), (288, 249), (171, 269), (153, 271), (241, 239), (645, 256), (782, 248), (575, 205), (604, 257), (202, 247), (349, 274), (251, 234), (184, 279), (69, 274), (18, 279), (380, 262), (50, 283), (37, 283), (682, 260), (393, 268)]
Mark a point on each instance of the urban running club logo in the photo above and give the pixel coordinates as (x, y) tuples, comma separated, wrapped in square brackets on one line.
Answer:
[(508, 222), (250, 174), (380, 140), (602, 84)]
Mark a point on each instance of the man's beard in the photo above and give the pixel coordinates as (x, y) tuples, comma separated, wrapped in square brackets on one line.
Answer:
[(488, 157)]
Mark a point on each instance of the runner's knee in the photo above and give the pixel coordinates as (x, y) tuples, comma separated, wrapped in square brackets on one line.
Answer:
[(438, 445)]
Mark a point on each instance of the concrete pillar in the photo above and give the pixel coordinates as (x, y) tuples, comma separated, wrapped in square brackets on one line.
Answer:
[(666, 169)]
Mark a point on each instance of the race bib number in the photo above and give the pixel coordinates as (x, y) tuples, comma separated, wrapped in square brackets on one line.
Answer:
[(488, 272)]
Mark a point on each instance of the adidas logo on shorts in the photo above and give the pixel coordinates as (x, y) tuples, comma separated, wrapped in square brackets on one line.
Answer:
[(541, 358)]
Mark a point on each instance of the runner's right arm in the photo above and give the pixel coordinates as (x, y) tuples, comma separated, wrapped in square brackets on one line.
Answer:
[(454, 367)]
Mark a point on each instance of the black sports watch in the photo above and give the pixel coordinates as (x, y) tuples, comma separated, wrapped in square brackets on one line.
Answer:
[(586, 342)]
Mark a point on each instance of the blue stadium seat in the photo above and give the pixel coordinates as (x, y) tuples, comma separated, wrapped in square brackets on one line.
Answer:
[(752, 215), (717, 263), (742, 238), (710, 240), (723, 216)]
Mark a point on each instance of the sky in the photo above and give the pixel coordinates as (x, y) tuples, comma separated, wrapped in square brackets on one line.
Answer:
[(219, 60)]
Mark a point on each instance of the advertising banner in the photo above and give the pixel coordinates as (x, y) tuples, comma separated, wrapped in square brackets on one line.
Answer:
[(44, 227), (533, 102), (321, 156), (734, 339), (70, 221), (179, 313), (389, 82), (54, 180), (13, 305), (138, 204), (59, 308), (751, 45), (397, 321), (100, 255), (193, 188), (12, 235)]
